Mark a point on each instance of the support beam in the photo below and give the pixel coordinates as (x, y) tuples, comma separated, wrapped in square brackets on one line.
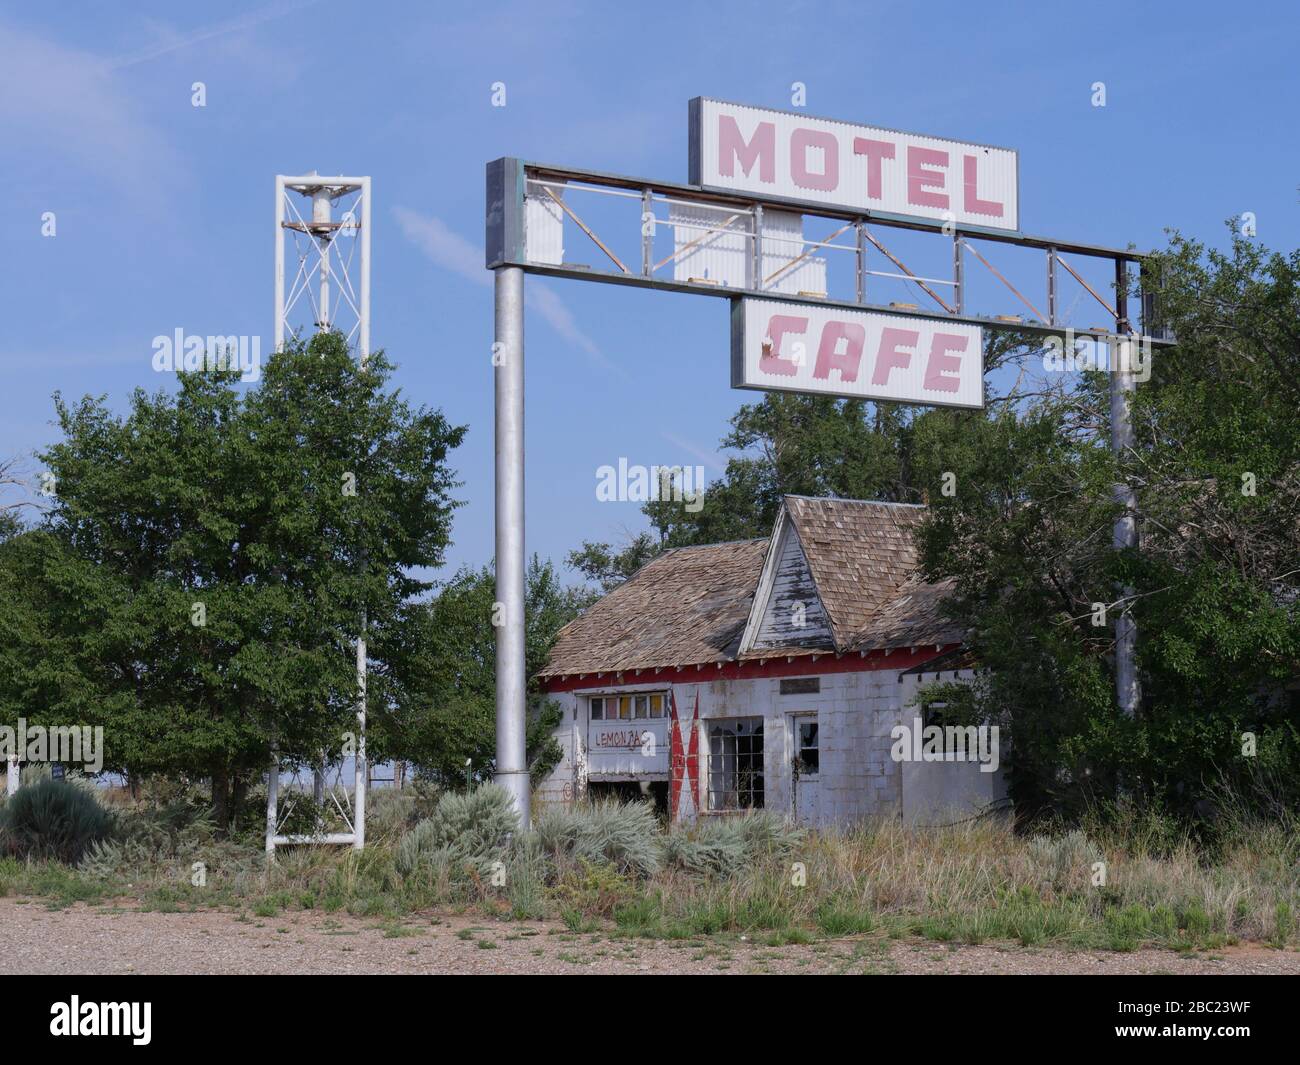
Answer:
[(647, 232), (279, 263), (272, 803), (511, 678), (360, 771), (860, 262), (1123, 381), (958, 275), (1051, 286)]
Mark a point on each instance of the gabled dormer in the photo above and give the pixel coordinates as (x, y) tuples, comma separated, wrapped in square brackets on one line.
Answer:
[(787, 609)]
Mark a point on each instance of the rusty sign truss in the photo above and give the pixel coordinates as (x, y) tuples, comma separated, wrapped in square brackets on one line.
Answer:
[(732, 246)]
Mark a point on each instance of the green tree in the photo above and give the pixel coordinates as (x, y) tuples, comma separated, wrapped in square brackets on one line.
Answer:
[(443, 672), (198, 582), (1214, 582)]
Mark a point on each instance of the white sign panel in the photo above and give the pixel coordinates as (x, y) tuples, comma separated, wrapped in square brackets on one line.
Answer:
[(637, 748), (790, 156), (799, 347)]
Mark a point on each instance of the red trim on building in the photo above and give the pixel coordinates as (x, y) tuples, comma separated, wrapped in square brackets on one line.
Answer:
[(753, 669), (684, 762)]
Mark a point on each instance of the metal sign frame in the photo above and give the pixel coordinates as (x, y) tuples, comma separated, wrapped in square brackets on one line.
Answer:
[(507, 253), (507, 184)]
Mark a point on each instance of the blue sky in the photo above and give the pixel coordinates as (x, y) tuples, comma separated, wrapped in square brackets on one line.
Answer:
[(164, 210)]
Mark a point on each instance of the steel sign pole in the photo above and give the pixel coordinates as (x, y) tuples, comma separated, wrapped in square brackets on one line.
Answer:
[(508, 371), (1122, 384)]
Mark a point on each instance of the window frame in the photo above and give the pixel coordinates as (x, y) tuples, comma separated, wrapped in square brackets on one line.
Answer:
[(611, 704), (747, 767)]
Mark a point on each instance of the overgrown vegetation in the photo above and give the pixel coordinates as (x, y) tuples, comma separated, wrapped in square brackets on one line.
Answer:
[(1126, 878)]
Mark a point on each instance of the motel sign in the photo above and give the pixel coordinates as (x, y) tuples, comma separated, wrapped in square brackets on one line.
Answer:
[(782, 155), (736, 229)]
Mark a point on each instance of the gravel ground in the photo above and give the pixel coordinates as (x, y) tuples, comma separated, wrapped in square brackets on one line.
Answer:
[(120, 939)]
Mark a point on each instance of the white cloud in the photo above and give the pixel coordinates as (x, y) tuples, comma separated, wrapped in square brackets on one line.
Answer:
[(704, 455), (58, 103), (173, 40), (449, 250), (445, 248)]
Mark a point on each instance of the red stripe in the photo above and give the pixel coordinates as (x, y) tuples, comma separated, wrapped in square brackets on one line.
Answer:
[(802, 666)]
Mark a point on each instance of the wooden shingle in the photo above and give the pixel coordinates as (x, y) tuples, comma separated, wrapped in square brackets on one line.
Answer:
[(690, 605), (687, 606)]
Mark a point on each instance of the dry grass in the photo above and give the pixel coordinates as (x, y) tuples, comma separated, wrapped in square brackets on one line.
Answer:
[(1120, 882)]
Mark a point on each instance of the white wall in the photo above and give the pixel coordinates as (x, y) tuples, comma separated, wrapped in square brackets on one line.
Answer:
[(856, 714), (936, 793)]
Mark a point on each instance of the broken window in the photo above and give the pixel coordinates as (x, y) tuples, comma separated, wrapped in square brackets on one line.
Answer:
[(809, 748), (736, 764), (953, 731), (627, 707)]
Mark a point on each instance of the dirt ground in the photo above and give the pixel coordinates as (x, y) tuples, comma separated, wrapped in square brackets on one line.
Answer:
[(119, 939)]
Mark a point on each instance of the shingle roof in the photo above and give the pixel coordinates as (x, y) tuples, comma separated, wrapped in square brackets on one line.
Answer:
[(860, 553), (912, 617), (690, 605)]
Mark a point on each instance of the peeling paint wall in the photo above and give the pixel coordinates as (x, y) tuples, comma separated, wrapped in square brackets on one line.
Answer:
[(794, 616), (856, 712), (936, 793)]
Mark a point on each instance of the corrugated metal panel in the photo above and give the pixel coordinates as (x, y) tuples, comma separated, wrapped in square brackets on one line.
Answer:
[(723, 258), (726, 257), (783, 243), (544, 225), (817, 160)]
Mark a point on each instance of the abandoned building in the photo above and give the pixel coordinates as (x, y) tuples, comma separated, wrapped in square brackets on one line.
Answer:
[(777, 673)]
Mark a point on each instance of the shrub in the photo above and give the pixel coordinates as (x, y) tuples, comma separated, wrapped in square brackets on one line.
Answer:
[(1063, 864), (726, 846), (390, 812), (53, 819), (1283, 924), (626, 836), (598, 889), (1128, 928), (469, 828), (526, 875)]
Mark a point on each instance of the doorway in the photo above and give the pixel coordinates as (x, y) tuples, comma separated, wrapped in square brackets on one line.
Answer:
[(805, 767)]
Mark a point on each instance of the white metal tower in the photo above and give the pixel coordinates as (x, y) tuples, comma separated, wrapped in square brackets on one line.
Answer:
[(331, 246)]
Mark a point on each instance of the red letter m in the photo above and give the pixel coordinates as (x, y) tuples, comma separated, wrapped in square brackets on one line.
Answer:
[(732, 149)]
